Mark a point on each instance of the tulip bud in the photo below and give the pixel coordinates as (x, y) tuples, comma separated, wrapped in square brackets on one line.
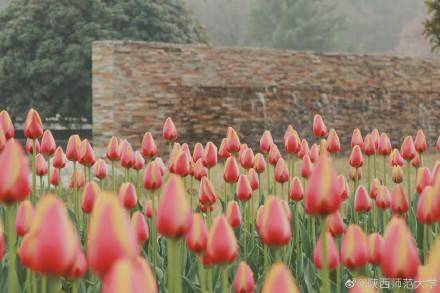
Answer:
[(426, 212), (306, 167), (260, 163), (383, 199), (244, 189), (140, 227), (232, 141), (222, 245), (148, 146), (113, 151), (408, 149), (397, 174), (152, 177), (336, 225), (368, 146), (344, 189), (29, 144), (292, 143), (197, 236), (127, 195), (200, 171), (89, 196), (375, 137), (279, 279), (384, 146), (253, 179), (127, 154), (362, 201), (396, 158), (374, 188), (181, 164), (222, 150), (416, 161), (354, 247), (314, 153), (169, 132), (374, 248), (323, 192), (333, 144), (210, 155), (423, 179), (174, 213), (281, 171), (87, 155), (420, 142), (110, 235), (73, 148), (399, 254), (149, 209), (41, 165), (319, 128), (79, 266), (100, 169), (207, 194), (48, 145), (233, 214), (24, 219), (355, 173), (304, 149), (296, 192), (356, 159), (7, 125), (244, 279), (266, 142), (399, 200), (59, 159), (248, 160), (33, 127), (356, 138), (332, 253), (275, 226), (139, 162), (231, 172), (80, 179), (131, 274), (55, 178), (274, 155), (14, 174)]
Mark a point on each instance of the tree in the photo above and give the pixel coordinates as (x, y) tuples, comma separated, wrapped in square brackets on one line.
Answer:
[(432, 24), (45, 47), (295, 24)]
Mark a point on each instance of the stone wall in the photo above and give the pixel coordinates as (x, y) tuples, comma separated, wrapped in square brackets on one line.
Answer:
[(136, 85)]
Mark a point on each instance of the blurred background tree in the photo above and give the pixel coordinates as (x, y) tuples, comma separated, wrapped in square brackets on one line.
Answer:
[(45, 47), (432, 24)]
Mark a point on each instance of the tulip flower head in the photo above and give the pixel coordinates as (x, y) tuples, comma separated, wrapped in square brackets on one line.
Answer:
[(279, 279), (362, 201), (210, 155), (296, 192), (55, 178), (140, 227), (6, 125), (355, 173), (399, 200), (244, 189), (79, 266), (354, 247), (374, 188), (127, 195), (59, 159), (356, 138), (127, 154), (332, 252), (253, 179), (274, 155), (197, 236), (41, 165), (275, 227), (259, 163), (148, 146), (292, 143), (333, 143), (420, 142), (244, 279), (248, 159), (374, 248), (231, 171), (408, 149), (383, 199), (152, 176), (48, 145), (29, 144), (181, 164), (426, 210), (336, 225), (139, 161), (100, 169), (87, 155), (33, 127), (222, 150), (113, 151), (266, 142), (169, 132), (397, 174), (281, 171), (356, 158), (306, 167), (344, 189), (73, 148), (319, 128), (232, 141), (222, 245), (368, 146), (80, 179), (89, 197), (200, 171), (314, 153), (424, 179), (396, 158), (233, 214), (25, 217), (384, 146), (304, 149)]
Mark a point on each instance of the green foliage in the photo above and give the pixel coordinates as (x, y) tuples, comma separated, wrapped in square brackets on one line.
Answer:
[(432, 24), (45, 47), (295, 24)]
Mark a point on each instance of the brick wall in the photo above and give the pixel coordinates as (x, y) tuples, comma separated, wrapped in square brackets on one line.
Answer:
[(136, 85)]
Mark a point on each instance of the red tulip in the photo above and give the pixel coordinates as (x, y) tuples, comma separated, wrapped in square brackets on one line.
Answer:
[(383, 199), (279, 279), (336, 225), (113, 151), (207, 196), (399, 200), (362, 202), (423, 179), (55, 178), (368, 146), (292, 143), (222, 150), (148, 146), (244, 279), (152, 176), (73, 148), (296, 192), (253, 179), (259, 163), (274, 155), (344, 189), (289, 131), (181, 164), (100, 169), (397, 174), (169, 132), (222, 245), (89, 197), (356, 138), (408, 149), (420, 142), (355, 173), (244, 189), (87, 155), (174, 213), (24, 219), (426, 211), (275, 226), (197, 236), (140, 227), (6, 125), (198, 152), (399, 254), (333, 144), (375, 137), (127, 195), (139, 162), (354, 247), (130, 275), (281, 171), (323, 192), (149, 209), (374, 248), (304, 149), (14, 174), (319, 128), (232, 141), (59, 159), (374, 188), (356, 159), (248, 159), (210, 155), (80, 179), (416, 161), (231, 172), (33, 127), (266, 142), (306, 167), (200, 171), (127, 154), (110, 235), (51, 244), (314, 153), (396, 158), (332, 253), (384, 146), (29, 144), (48, 145), (41, 165), (233, 214), (79, 266)]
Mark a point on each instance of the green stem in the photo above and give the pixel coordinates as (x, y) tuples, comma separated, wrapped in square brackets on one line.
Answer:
[(34, 173), (224, 279), (338, 279), (210, 284), (113, 176), (74, 287), (312, 219), (28, 280), (43, 284), (265, 255), (12, 281), (374, 163), (202, 277), (408, 178), (54, 284), (244, 229), (75, 192), (325, 268), (48, 173), (425, 242), (267, 175), (384, 170), (154, 219), (170, 266), (298, 255), (368, 172)]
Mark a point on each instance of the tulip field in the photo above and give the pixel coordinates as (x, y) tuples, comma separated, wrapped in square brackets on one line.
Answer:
[(307, 215)]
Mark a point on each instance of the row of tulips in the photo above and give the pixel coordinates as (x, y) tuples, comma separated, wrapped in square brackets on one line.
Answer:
[(280, 223)]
